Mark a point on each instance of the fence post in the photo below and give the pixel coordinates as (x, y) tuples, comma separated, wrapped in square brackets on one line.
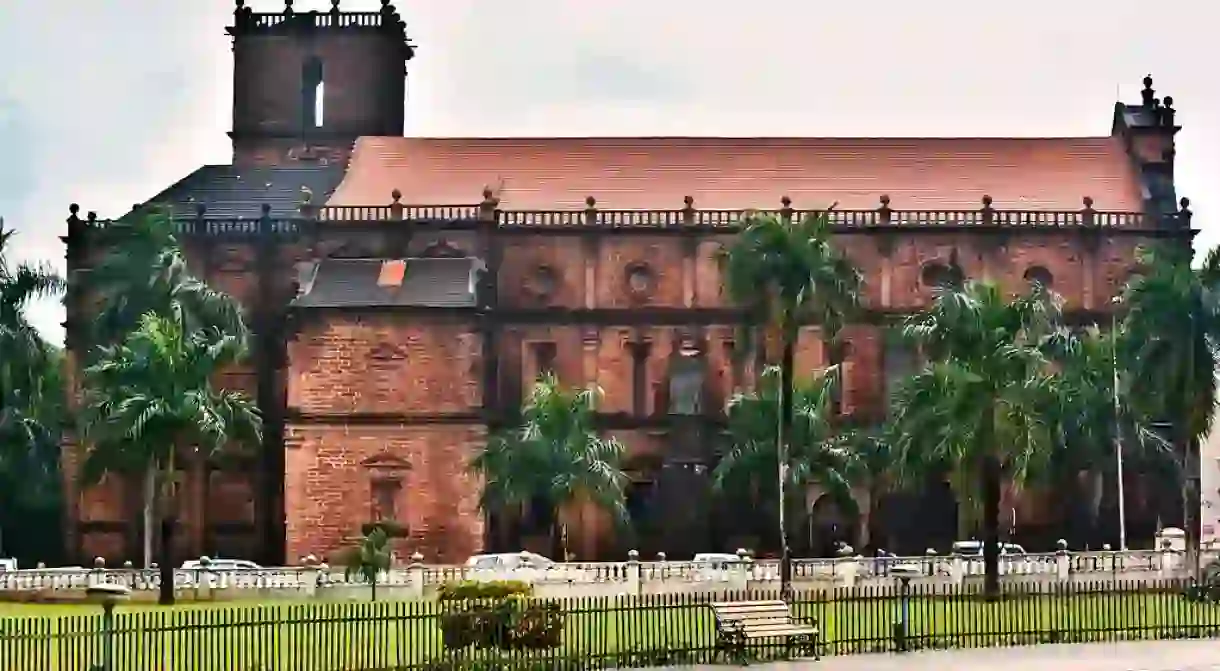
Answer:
[(957, 568), (851, 570), (1169, 563), (633, 573), (309, 577), (203, 579), (97, 575), (415, 576), (1063, 561)]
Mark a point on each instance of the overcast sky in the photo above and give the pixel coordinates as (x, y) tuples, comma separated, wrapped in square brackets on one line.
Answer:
[(105, 103)]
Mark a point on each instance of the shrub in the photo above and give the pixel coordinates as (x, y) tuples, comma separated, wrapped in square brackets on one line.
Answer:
[(498, 614), (391, 529), (471, 590), (1208, 586)]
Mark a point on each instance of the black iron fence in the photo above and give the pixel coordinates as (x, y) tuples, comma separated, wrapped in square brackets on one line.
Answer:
[(577, 633)]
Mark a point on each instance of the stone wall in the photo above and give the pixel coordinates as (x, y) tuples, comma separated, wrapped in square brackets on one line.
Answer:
[(384, 427)]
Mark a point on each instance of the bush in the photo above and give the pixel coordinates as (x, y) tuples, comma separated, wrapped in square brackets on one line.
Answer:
[(498, 614), (1208, 587), (472, 590), (391, 529)]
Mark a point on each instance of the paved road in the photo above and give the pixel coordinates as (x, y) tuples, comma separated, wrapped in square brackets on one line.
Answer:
[(1158, 656)]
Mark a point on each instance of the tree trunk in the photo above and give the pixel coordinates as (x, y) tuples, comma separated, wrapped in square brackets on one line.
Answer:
[(166, 595), (1096, 491), (149, 504), (991, 526), (1191, 518), (787, 373), (559, 536), (165, 556), (864, 526)]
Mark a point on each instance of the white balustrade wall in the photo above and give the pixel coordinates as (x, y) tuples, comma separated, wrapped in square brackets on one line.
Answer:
[(632, 577)]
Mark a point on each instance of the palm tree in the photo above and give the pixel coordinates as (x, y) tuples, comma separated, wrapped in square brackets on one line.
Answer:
[(152, 396), (872, 472), (1173, 323), (818, 455), (553, 458), (789, 272), (31, 400), (981, 402), (371, 558), (1092, 418), (143, 270)]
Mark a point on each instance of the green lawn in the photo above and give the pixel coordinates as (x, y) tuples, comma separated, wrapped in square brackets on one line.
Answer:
[(348, 637)]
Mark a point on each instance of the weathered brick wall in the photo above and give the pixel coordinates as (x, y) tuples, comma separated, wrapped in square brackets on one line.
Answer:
[(584, 274), (411, 371), (330, 470), (385, 363), (363, 78)]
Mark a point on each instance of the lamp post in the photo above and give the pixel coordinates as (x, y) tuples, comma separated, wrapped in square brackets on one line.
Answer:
[(904, 573), (1118, 440), (107, 595)]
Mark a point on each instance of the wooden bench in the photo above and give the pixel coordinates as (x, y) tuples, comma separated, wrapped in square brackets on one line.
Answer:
[(740, 622)]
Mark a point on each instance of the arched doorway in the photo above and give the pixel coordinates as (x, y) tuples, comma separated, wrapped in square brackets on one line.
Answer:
[(828, 524)]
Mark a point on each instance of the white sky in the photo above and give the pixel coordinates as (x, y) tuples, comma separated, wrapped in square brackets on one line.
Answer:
[(105, 103)]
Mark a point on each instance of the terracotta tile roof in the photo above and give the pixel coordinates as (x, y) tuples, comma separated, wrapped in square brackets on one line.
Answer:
[(730, 173)]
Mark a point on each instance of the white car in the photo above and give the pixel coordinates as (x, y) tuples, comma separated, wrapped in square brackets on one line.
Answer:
[(508, 561), (975, 548), (718, 560), (221, 565)]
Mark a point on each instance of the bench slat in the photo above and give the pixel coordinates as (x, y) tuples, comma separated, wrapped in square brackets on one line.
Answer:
[(779, 633), (765, 621), (752, 612)]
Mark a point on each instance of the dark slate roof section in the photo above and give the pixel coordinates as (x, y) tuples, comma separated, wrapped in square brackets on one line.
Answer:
[(435, 283), (1138, 116), (231, 192)]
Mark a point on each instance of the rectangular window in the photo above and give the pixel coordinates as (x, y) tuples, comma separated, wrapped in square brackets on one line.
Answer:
[(639, 378), (640, 500), (385, 500), (900, 361), (544, 359)]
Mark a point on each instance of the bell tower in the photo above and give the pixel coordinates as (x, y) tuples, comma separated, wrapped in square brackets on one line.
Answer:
[(307, 84)]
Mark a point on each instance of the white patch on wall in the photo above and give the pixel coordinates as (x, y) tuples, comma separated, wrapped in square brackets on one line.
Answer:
[(1209, 486)]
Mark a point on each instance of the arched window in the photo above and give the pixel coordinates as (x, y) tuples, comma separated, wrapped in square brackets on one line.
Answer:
[(313, 93), (939, 275), (1039, 275)]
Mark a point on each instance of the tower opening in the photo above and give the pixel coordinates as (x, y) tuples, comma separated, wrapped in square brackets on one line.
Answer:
[(313, 93)]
